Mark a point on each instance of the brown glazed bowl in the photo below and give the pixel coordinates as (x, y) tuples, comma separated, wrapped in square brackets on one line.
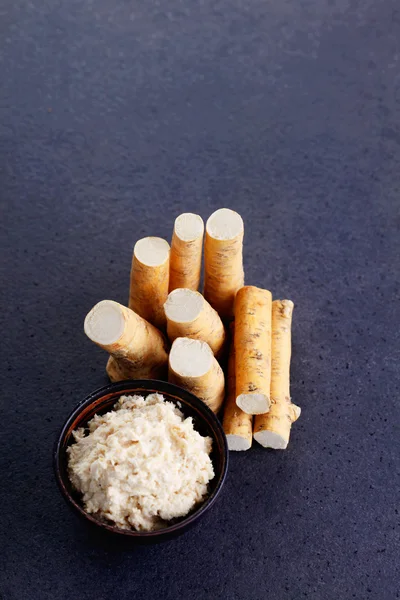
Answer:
[(101, 401)]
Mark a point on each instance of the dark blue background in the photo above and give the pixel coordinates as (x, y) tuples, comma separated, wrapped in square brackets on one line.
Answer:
[(116, 117)]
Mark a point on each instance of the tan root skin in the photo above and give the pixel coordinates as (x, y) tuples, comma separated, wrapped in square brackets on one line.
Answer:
[(223, 260), (238, 426), (253, 349), (272, 430), (138, 350), (186, 251), (193, 366), (150, 279), (190, 315)]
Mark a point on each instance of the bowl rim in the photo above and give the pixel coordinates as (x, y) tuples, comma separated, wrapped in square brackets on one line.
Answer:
[(146, 385)]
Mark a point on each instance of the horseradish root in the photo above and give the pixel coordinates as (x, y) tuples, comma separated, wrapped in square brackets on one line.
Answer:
[(149, 279), (272, 430), (137, 348), (116, 371), (122, 368), (193, 366), (186, 251), (190, 315), (223, 260), (236, 423), (253, 349)]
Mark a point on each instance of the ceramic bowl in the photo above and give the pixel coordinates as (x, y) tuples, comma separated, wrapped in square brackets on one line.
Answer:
[(101, 401)]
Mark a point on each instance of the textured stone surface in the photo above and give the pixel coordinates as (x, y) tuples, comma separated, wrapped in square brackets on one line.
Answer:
[(114, 118)]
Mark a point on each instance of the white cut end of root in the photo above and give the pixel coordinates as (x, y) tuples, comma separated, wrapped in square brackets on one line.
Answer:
[(189, 227), (287, 307), (190, 358), (237, 443), (152, 251), (224, 224), (270, 439), (104, 324), (253, 404), (183, 305)]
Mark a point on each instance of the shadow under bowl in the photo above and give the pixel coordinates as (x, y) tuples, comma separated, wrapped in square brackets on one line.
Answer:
[(102, 401)]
